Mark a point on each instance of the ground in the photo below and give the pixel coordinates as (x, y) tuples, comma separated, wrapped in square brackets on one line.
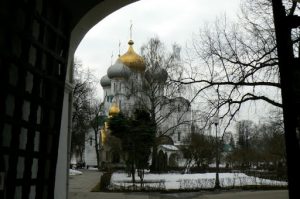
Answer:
[(80, 186)]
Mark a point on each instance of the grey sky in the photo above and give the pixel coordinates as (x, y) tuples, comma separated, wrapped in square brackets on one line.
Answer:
[(170, 20)]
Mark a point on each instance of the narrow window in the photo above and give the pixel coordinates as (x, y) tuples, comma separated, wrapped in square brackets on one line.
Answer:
[(91, 141)]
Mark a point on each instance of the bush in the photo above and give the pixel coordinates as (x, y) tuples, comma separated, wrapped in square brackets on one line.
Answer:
[(105, 181), (209, 170)]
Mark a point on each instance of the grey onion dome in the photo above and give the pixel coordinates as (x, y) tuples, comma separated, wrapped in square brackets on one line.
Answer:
[(156, 74), (105, 81), (118, 70), (183, 101)]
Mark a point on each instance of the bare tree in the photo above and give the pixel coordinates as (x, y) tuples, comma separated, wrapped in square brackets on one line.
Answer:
[(237, 62), (81, 108), (199, 150), (261, 145), (96, 121), (160, 96), (86, 111)]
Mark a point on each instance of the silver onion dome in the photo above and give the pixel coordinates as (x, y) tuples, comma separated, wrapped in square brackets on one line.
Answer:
[(183, 102), (118, 70), (156, 74), (105, 81)]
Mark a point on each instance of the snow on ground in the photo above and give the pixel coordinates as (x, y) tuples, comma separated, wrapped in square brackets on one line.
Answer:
[(73, 172), (192, 181)]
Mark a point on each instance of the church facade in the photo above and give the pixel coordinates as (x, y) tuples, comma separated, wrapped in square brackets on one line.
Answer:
[(128, 85)]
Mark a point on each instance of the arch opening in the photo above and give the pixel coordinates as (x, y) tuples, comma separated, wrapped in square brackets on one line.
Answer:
[(16, 102)]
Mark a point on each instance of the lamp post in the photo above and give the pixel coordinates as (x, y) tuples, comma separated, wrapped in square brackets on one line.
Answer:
[(217, 182)]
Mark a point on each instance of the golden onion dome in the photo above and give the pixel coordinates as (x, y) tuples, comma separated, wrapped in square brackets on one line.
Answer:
[(114, 110), (133, 60), (103, 135)]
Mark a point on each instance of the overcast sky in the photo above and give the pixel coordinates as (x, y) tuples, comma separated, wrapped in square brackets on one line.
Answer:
[(170, 20)]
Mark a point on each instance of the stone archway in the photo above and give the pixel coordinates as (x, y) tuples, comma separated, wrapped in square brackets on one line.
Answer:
[(165, 140), (162, 161), (173, 160), (37, 47)]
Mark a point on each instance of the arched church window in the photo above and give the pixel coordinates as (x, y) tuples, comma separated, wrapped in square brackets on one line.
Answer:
[(115, 87)]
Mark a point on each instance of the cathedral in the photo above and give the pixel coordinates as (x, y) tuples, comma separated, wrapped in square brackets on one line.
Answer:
[(130, 84)]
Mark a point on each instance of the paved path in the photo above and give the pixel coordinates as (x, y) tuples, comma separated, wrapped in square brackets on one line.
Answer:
[(84, 182), (80, 186), (278, 194), (281, 194)]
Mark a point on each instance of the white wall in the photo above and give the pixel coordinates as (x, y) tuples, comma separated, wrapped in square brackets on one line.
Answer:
[(90, 156)]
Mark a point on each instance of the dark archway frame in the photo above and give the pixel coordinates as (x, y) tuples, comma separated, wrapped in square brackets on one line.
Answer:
[(37, 41)]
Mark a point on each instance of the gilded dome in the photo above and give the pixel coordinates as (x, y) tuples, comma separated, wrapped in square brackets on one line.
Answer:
[(118, 70), (105, 81), (114, 110), (103, 135), (133, 60)]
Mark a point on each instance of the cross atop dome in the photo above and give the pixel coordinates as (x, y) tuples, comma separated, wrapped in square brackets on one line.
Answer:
[(131, 29)]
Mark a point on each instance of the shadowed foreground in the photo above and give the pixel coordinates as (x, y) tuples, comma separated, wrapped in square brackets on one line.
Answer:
[(279, 194)]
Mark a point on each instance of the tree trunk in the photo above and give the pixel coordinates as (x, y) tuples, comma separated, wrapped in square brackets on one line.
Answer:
[(289, 79), (133, 172), (97, 146), (154, 163), (141, 174), (97, 151)]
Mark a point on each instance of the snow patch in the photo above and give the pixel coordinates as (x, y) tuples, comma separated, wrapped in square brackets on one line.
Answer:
[(192, 181), (73, 172), (170, 147)]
